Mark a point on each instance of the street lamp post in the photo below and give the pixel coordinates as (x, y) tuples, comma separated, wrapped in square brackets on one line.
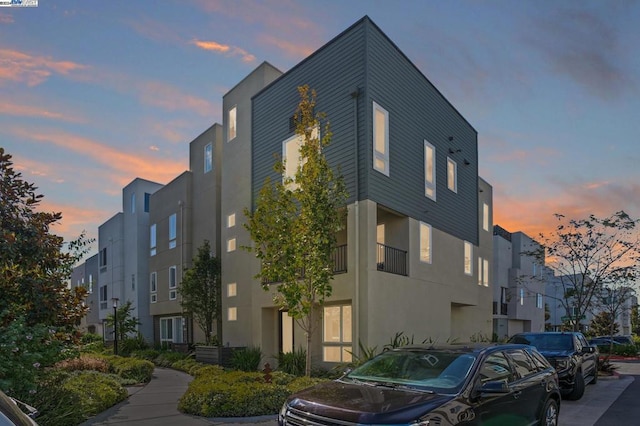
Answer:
[(115, 325)]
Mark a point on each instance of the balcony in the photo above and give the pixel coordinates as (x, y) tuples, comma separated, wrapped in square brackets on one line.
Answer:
[(392, 260), (339, 263), (502, 306)]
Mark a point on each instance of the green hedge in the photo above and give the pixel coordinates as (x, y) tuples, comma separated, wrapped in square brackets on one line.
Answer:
[(620, 350), (95, 391), (215, 393)]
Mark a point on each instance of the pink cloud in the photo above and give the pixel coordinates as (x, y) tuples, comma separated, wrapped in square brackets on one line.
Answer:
[(32, 70), (6, 18), (223, 48), (8, 108), (289, 47)]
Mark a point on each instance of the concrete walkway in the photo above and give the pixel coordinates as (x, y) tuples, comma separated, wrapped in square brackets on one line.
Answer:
[(156, 404)]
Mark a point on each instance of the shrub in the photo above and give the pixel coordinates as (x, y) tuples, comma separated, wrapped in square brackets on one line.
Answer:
[(90, 338), (246, 359), (148, 354), (132, 344), (136, 370), (188, 365), (84, 362), (293, 362), (95, 391), (209, 371), (167, 358)]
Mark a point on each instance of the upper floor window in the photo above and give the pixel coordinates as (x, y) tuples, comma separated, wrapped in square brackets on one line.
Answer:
[(231, 128), (539, 303), (231, 220), (172, 230), (232, 289), (208, 158), (153, 286), (425, 242), (103, 297), (485, 272), (173, 283), (429, 170), (468, 254), (485, 216), (103, 257), (452, 175), (522, 297), (133, 202), (231, 244), (291, 157), (90, 289), (232, 314), (152, 240), (380, 139), (147, 198)]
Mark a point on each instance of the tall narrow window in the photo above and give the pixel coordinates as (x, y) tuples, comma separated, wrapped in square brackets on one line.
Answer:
[(153, 286), (468, 254), (485, 216), (103, 257), (479, 270), (522, 297), (103, 297), (380, 239), (291, 156), (133, 202), (208, 158), (429, 170), (172, 231), (90, 283), (173, 284), (380, 139), (485, 272), (336, 333), (147, 198), (231, 244), (232, 290), (231, 220), (152, 240), (232, 314), (425, 242), (452, 175), (286, 331), (539, 303), (232, 124)]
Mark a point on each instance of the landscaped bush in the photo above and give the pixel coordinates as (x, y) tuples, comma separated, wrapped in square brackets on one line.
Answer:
[(167, 358), (84, 362), (293, 362), (95, 391), (135, 370), (90, 338), (188, 365), (239, 394), (246, 359), (148, 354), (132, 344)]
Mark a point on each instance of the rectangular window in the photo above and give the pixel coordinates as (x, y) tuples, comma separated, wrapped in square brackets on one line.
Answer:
[(231, 129), (429, 170), (103, 297), (133, 202), (172, 231), (208, 158), (152, 240), (479, 270), (468, 255), (232, 289), (336, 333), (292, 159), (90, 283), (425, 242), (452, 175), (485, 216), (522, 297), (380, 239), (173, 283), (286, 331), (133, 282), (231, 244), (103, 257), (485, 272), (153, 286), (231, 220), (232, 314), (147, 197), (539, 303), (171, 330), (380, 139)]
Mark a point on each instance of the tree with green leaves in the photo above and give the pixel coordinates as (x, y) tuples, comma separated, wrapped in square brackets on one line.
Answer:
[(589, 255), (635, 320), (127, 324), (35, 264), (201, 290), (604, 324), (295, 221)]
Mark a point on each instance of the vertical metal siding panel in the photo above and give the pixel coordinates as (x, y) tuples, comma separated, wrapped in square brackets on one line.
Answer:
[(334, 72), (417, 111)]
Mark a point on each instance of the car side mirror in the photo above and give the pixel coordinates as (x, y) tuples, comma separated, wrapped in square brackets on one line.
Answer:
[(589, 349), (494, 387)]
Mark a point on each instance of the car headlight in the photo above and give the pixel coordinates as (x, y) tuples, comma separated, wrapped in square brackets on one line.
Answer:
[(563, 363), (283, 413)]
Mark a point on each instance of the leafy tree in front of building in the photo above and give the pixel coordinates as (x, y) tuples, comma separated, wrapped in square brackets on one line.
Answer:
[(295, 221), (604, 324), (201, 292), (589, 255)]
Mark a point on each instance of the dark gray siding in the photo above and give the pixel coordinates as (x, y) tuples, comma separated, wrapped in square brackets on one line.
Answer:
[(417, 111), (363, 57)]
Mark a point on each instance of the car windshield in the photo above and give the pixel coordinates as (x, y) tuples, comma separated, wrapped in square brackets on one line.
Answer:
[(441, 371), (546, 342)]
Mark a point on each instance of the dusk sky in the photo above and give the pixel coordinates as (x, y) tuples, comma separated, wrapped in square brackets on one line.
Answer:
[(96, 93)]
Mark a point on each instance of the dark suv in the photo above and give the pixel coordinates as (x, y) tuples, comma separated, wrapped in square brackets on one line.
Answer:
[(569, 352), (414, 385)]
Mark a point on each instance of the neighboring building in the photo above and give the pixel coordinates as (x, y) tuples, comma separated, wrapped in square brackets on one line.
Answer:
[(559, 305), (519, 284), (413, 240), (184, 214), (123, 257), (86, 275)]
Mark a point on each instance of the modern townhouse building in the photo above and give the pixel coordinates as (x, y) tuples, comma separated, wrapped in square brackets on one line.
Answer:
[(519, 284), (86, 275), (415, 253), (561, 307), (183, 214), (123, 257)]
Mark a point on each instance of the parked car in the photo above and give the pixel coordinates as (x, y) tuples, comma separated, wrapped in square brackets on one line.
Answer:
[(623, 340), (418, 385), (12, 415), (603, 341), (570, 354)]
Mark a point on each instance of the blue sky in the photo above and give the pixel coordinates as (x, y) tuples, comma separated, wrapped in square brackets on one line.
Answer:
[(94, 94)]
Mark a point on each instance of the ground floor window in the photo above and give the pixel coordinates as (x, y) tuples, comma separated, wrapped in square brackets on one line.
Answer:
[(336, 333), (171, 330)]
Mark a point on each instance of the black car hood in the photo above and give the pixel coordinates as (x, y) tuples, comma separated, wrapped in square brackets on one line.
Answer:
[(556, 353), (366, 404)]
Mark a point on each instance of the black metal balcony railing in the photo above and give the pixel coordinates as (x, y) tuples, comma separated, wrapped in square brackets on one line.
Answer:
[(392, 260), (339, 263)]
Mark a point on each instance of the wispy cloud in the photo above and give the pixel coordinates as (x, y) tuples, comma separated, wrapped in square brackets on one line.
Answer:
[(20, 110), (223, 48), (5, 18), (75, 219), (29, 167), (30, 69)]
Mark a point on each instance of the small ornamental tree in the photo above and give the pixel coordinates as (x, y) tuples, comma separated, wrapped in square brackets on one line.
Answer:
[(589, 255), (35, 265), (603, 324), (295, 221), (201, 292), (127, 323)]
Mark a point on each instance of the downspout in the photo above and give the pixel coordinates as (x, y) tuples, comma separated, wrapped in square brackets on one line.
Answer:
[(356, 306)]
